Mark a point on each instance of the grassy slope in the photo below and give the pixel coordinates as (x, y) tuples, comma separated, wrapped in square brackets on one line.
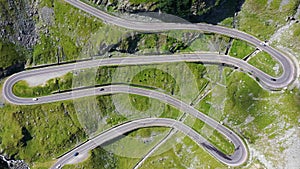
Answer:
[(181, 152), (266, 63), (247, 99), (22, 88), (262, 20), (240, 49), (8, 55), (36, 134), (242, 90), (68, 34)]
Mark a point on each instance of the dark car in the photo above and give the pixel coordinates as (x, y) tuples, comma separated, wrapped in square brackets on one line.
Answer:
[(101, 89), (76, 154)]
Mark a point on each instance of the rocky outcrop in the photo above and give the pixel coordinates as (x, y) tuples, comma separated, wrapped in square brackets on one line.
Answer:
[(12, 164), (17, 24), (126, 6), (196, 7)]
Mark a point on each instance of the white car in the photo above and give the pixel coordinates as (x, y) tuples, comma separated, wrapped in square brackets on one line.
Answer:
[(35, 99), (263, 44)]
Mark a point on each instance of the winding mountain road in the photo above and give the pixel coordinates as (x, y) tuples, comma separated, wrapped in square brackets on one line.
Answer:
[(289, 69), (240, 154), (237, 158)]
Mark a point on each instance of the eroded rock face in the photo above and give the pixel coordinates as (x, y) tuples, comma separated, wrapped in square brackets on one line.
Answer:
[(17, 27), (17, 24), (196, 7), (12, 164), (126, 6)]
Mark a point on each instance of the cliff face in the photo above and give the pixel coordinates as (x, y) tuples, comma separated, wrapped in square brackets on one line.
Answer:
[(210, 11), (182, 8), (17, 24), (17, 34)]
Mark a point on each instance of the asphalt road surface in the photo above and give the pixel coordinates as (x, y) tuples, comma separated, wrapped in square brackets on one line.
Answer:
[(235, 159), (289, 69)]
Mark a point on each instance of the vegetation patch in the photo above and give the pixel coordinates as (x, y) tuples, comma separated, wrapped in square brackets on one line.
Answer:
[(212, 135), (100, 158), (261, 19), (59, 43), (22, 89), (9, 55), (267, 64), (255, 109), (156, 78), (37, 134), (181, 152), (240, 49)]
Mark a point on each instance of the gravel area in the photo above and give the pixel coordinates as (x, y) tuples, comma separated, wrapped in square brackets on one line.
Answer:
[(40, 79)]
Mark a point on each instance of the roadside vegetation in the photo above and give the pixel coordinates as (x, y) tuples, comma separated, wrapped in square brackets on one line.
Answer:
[(267, 64), (181, 152), (212, 135), (255, 109), (290, 38), (261, 19), (22, 88), (240, 49), (66, 35), (100, 158), (9, 55), (37, 134)]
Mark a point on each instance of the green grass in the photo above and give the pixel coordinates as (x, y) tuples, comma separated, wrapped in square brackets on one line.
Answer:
[(156, 78), (62, 42), (37, 133), (181, 152), (141, 103), (291, 38), (98, 113), (241, 89), (198, 71), (142, 1), (204, 104), (212, 135), (240, 49), (124, 153), (228, 22), (261, 20), (100, 158), (267, 64), (169, 42), (148, 132), (170, 112), (22, 89), (247, 99), (103, 115), (9, 55)]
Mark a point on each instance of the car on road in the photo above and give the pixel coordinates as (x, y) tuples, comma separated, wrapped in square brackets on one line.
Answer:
[(76, 154), (58, 166), (101, 89), (35, 99), (263, 44)]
